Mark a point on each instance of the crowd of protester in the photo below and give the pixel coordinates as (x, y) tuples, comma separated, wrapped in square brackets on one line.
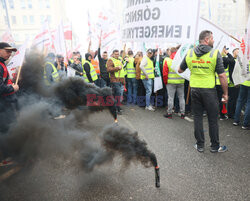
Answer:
[(131, 77)]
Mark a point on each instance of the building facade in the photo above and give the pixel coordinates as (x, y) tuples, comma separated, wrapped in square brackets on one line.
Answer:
[(230, 15), (25, 17)]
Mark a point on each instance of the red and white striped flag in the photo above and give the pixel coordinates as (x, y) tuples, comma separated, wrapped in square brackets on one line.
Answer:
[(43, 40)]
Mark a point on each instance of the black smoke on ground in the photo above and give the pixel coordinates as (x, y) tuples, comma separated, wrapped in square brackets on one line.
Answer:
[(36, 135)]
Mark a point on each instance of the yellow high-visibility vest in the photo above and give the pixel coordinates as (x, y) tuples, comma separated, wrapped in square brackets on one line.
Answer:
[(202, 68)]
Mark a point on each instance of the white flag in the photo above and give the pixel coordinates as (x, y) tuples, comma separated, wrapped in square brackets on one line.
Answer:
[(246, 56), (16, 61), (157, 79), (180, 54), (110, 31), (59, 42), (221, 38), (70, 72), (43, 40)]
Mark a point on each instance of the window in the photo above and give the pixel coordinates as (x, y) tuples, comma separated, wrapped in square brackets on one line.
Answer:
[(25, 19), (3, 4), (22, 2), (6, 20), (47, 3), (11, 4), (29, 4), (13, 19), (16, 37), (41, 4), (49, 18), (42, 18), (32, 20)]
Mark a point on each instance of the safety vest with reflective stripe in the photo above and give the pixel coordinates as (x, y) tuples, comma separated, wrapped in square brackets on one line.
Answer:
[(123, 61), (131, 73), (227, 74), (92, 72), (149, 69), (96, 66), (120, 73), (247, 83), (173, 77), (202, 68), (55, 74)]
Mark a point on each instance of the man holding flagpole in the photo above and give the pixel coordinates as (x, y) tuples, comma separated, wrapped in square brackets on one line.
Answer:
[(203, 61), (7, 89)]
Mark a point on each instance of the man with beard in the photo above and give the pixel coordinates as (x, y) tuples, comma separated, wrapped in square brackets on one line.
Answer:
[(104, 76), (7, 93), (203, 62), (7, 88)]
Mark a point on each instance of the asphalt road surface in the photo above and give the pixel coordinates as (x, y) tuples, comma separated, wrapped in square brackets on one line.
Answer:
[(185, 173)]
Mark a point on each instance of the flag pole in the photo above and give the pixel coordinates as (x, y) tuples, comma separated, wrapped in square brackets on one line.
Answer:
[(18, 74)]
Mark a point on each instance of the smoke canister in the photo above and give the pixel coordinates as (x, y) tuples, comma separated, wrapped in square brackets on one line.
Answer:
[(157, 177)]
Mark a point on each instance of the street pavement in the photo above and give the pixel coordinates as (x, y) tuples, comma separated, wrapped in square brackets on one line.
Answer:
[(185, 173)]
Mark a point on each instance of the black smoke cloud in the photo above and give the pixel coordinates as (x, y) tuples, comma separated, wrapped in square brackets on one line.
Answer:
[(36, 135)]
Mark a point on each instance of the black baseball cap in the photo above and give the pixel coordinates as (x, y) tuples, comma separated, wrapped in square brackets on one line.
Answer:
[(6, 46)]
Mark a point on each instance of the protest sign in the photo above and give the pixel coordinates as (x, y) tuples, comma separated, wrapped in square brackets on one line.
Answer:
[(154, 20)]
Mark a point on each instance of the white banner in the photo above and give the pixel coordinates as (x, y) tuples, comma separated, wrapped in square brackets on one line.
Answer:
[(238, 76), (110, 31), (157, 79), (172, 21), (246, 57), (59, 41), (221, 38), (43, 41), (16, 61), (70, 72), (181, 53)]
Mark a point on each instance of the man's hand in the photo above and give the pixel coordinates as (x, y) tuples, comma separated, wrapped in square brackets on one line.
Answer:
[(224, 98), (15, 87), (146, 77), (119, 67)]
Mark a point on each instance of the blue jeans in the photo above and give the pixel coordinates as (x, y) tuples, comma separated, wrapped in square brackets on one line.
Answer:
[(100, 83), (132, 90), (148, 86), (243, 98), (117, 91)]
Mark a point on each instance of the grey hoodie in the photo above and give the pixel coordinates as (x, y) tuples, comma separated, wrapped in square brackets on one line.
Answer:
[(201, 50)]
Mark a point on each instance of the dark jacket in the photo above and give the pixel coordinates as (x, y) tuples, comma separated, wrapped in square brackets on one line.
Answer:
[(78, 68), (87, 68), (4, 88), (102, 66), (230, 63)]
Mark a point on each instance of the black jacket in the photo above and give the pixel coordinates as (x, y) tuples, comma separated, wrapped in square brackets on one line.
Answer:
[(4, 88), (102, 66)]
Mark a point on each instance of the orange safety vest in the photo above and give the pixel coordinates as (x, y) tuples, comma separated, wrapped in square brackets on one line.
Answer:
[(95, 63)]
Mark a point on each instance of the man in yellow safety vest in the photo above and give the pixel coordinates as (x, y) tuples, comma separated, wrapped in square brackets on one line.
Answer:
[(203, 62), (117, 78), (147, 76)]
